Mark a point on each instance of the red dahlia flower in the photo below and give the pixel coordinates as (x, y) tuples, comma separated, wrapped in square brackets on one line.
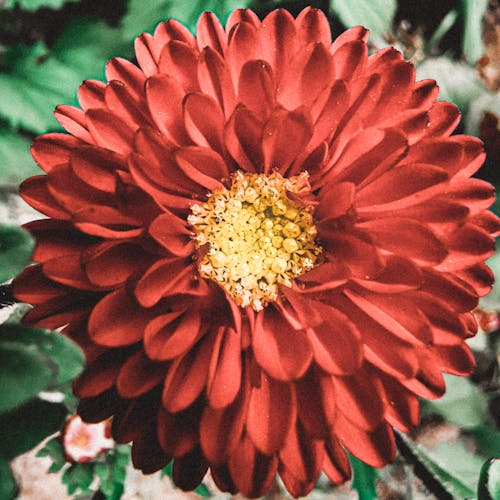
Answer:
[(267, 244)]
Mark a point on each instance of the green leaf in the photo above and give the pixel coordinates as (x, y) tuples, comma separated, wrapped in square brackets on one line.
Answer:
[(451, 464), (487, 439), (60, 350), (15, 251), (35, 80), (54, 449), (457, 81), (472, 14), (376, 15), (102, 471), (7, 483), (364, 480), (25, 427), (15, 159), (462, 404), (444, 26), (144, 15), (79, 476), (85, 46), (492, 300), (31, 5), (24, 372), (114, 491), (489, 480), (202, 490), (167, 470)]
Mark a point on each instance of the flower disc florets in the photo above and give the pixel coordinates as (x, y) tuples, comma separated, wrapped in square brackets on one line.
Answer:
[(258, 238)]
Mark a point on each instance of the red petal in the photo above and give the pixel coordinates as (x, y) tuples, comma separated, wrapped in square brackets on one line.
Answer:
[(251, 471), (147, 456), (220, 430), (403, 408), (375, 448), (178, 434), (164, 96), (399, 275), (271, 413), (397, 82), (117, 320), (256, 88), (96, 167), (312, 27), (181, 61), (361, 257), (359, 399), (456, 359), (202, 165), (73, 120), (454, 292), (210, 33), (242, 46), (399, 188), (224, 377), (424, 94), (336, 342), (278, 39), (173, 234), (285, 135), (189, 470), (100, 375), (335, 200), (357, 33), (33, 287), (138, 375), (314, 391), (50, 150), (34, 191), (443, 118), (406, 238), (215, 79), (284, 353), (398, 317), (167, 277), (124, 103), (127, 73), (68, 270), (172, 334), (467, 246), (55, 238), (242, 137), (91, 94), (336, 465), (300, 461), (204, 121), (111, 263), (109, 131), (187, 377), (350, 59)]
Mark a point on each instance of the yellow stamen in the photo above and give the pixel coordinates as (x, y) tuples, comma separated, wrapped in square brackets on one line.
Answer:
[(257, 237)]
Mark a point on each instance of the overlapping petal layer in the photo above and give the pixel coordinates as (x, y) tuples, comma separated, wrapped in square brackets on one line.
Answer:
[(342, 354)]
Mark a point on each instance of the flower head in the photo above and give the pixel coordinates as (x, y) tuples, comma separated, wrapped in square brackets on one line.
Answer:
[(267, 244), (83, 442)]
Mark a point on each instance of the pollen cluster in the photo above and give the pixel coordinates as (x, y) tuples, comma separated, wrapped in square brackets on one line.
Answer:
[(257, 238)]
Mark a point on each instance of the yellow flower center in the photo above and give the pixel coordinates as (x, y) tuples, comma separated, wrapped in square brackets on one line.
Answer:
[(257, 237)]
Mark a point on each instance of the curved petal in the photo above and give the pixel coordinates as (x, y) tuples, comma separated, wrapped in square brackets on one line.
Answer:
[(281, 351)]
